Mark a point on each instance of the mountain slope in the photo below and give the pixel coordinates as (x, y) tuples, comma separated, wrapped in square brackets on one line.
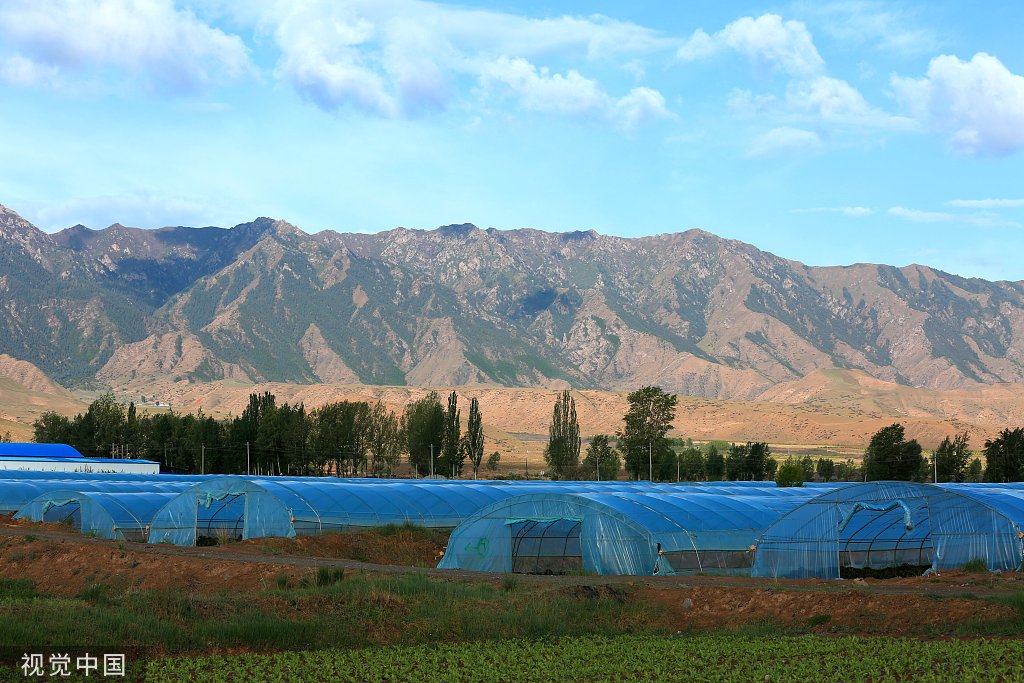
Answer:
[(690, 311)]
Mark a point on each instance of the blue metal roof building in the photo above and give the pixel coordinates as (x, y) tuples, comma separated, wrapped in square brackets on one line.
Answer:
[(58, 457), (38, 450)]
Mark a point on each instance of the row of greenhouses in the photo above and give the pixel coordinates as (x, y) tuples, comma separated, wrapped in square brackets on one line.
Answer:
[(609, 528)]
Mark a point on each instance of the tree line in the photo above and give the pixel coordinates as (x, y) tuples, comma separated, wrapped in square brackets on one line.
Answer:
[(645, 450), (346, 438), (351, 438)]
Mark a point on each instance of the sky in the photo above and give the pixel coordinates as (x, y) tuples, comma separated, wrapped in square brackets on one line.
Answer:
[(827, 132)]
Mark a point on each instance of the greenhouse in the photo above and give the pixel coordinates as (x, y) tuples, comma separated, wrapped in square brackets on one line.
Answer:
[(230, 507), (15, 493), (693, 529), (120, 515), (879, 525)]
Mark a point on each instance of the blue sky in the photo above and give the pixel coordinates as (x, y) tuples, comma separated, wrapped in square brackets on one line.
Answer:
[(828, 132)]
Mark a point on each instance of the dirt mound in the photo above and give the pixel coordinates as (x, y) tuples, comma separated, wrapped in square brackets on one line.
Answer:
[(408, 547), (848, 611)]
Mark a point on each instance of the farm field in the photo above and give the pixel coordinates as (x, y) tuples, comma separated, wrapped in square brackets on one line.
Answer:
[(316, 609), (625, 658)]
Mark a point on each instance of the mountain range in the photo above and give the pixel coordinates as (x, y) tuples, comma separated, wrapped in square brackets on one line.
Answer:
[(692, 312)]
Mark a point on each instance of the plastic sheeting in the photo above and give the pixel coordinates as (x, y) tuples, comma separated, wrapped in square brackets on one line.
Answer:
[(15, 493), (633, 532), (122, 515), (889, 524), (251, 507)]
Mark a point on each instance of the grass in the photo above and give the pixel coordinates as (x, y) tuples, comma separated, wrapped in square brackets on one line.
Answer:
[(327, 608), (976, 566)]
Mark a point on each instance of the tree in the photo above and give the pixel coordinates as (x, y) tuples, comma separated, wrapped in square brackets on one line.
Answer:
[(474, 438), (714, 463), (750, 462), (1004, 456), (952, 457), (760, 463), (52, 427), (384, 440), (562, 453), (847, 471), (648, 420), (692, 466), (791, 473), (453, 454), (736, 463), (602, 462), (825, 468), (890, 456), (807, 465), (340, 434), (104, 425), (5, 437), (492, 461), (975, 471), (423, 425)]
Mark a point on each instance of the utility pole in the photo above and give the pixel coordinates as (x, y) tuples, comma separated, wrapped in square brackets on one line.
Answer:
[(431, 461), (247, 470), (202, 466), (650, 460), (935, 464), (598, 465)]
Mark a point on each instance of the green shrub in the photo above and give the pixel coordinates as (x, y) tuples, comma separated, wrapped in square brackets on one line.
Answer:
[(976, 566)]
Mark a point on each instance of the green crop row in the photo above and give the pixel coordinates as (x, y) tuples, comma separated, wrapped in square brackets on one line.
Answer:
[(626, 658)]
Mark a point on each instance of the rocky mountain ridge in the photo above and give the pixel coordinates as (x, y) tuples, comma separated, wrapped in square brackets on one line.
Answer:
[(693, 312)]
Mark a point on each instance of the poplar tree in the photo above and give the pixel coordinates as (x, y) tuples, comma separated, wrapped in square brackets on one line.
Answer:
[(474, 439), (452, 453), (563, 450)]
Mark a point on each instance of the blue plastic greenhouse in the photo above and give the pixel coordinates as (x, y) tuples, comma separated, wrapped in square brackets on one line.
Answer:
[(121, 515), (886, 524), (696, 529), (247, 507), (15, 493)]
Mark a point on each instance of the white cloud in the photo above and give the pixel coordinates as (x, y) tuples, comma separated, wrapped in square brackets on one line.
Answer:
[(572, 93), (324, 65), (164, 47), (977, 105), (641, 105), (887, 26), (768, 41), (747, 105), (18, 70), (785, 140), (852, 211), (540, 90), (982, 219), (135, 209), (835, 101), (830, 98), (406, 57), (918, 216), (986, 203)]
